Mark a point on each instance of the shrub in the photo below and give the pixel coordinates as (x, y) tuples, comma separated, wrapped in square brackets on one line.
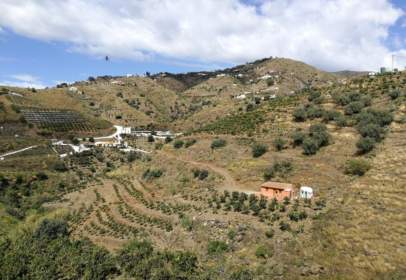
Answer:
[(381, 118), (356, 167), (258, 150), (330, 115), (168, 139), (341, 121), (284, 226), (190, 142), (279, 143), (218, 143), (314, 112), (297, 216), (215, 247), (282, 167), (366, 100), (298, 137), (178, 144), (353, 108), (132, 156), (242, 274), (310, 146), (278, 168), (365, 145), (200, 174), (151, 174), (300, 115), (60, 166), (342, 99), (294, 216), (186, 223), (394, 94), (51, 229), (317, 128), (231, 234), (42, 176), (75, 141), (371, 130), (262, 252), (319, 133), (347, 98), (150, 138), (268, 174), (314, 95), (269, 233)]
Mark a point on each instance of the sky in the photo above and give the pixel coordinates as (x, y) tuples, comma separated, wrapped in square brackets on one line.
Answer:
[(46, 42)]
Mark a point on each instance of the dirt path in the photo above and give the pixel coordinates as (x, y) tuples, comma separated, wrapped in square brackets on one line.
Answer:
[(16, 152), (229, 182)]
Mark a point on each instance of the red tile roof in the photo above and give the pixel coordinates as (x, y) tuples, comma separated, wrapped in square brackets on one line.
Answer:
[(277, 185)]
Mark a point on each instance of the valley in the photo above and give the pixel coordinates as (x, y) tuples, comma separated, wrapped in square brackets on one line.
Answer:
[(197, 189)]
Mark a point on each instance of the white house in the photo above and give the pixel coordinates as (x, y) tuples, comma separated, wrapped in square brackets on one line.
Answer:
[(126, 130), (241, 96), (306, 192)]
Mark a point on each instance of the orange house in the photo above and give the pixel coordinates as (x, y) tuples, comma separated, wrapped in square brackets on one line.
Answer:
[(277, 190)]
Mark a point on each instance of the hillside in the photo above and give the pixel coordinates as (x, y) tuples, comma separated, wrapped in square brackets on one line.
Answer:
[(187, 206)]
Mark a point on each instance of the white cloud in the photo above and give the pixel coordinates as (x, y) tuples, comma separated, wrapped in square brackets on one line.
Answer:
[(23, 80), (332, 34)]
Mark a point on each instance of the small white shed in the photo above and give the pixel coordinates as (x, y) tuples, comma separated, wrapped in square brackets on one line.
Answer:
[(306, 192)]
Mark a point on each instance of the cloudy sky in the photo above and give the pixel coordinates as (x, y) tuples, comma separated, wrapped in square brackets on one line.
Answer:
[(43, 42)]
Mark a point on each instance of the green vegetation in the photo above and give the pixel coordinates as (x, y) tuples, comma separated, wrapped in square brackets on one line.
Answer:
[(178, 144), (190, 142), (372, 123), (356, 167), (263, 252), (353, 108), (279, 143), (331, 115), (216, 247), (218, 143), (394, 94), (365, 145), (152, 174), (300, 114), (139, 260), (298, 137), (258, 150), (49, 253), (201, 174), (281, 169), (317, 137), (236, 124)]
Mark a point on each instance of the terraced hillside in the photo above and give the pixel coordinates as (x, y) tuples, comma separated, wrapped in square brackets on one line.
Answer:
[(191, 203)]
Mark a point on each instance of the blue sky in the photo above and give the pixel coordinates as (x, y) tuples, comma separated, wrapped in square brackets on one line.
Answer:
[(39, 47)]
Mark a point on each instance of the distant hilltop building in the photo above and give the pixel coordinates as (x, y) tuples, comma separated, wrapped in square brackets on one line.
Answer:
[(384, 70)]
